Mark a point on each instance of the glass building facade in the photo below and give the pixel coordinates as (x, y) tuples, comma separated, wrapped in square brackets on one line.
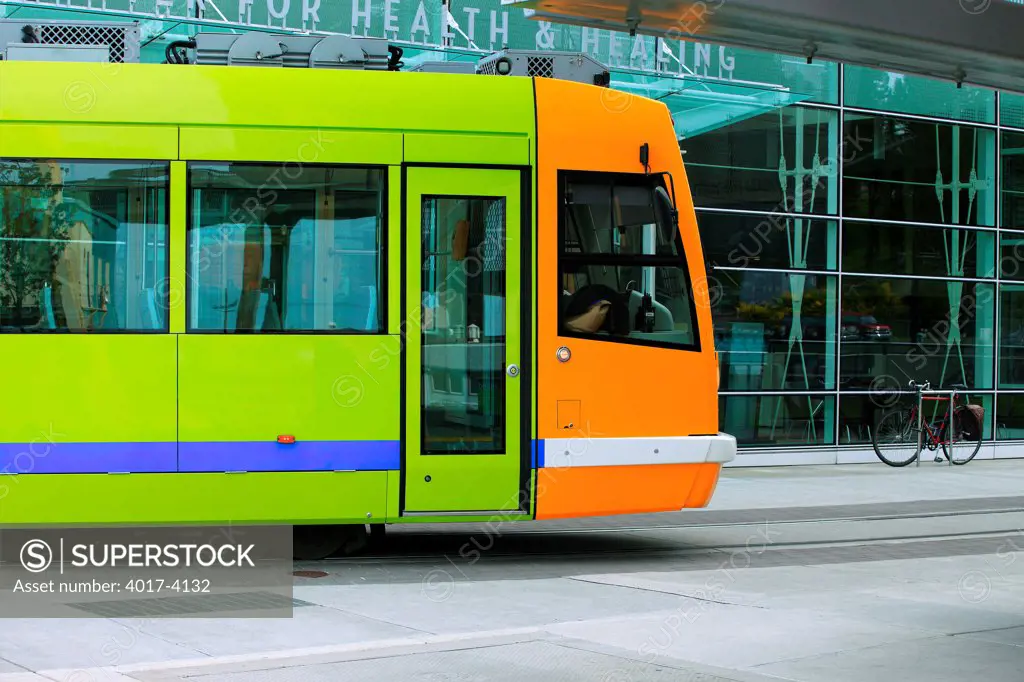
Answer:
[(861, 228), (855, 241)]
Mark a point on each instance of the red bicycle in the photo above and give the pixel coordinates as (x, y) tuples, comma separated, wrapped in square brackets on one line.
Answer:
[(902, 434)]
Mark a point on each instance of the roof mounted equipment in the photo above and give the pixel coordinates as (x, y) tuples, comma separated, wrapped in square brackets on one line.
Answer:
[(70, 40), (571, 66), (256, 48)]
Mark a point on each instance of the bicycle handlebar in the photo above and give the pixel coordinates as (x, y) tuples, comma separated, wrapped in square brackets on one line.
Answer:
[(926, 386)]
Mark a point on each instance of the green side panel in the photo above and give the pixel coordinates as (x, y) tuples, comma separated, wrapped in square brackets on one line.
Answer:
[(458, 483), (256, 387), (329, 497), (394, 493), (394, 255), (80, 388), (467, 149), (176, 256), (295, 146), (87, 141), (263, 97), (533, 492)]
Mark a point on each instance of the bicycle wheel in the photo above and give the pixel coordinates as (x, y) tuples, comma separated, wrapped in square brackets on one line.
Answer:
[(895, 439), (963, 445)]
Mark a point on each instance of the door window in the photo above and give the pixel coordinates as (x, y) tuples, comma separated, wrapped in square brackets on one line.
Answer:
[(463, 325)]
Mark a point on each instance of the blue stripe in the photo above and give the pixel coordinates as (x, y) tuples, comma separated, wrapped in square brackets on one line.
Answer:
[(87, 458), (152, 458), (538, 454), (353, 455)]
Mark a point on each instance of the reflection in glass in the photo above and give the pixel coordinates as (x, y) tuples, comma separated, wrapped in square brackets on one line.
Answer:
[(1010, 417), (926, 330), (1011, 255), (1011, 336), (897, 169), (463, 325), (764, 420), (774, 331), (859, 413), (783, 161), (1011, 109), (818, 81), (1013, 180), (735, 240), (910, 250), (83, 246), (869, 88), (272, 250)]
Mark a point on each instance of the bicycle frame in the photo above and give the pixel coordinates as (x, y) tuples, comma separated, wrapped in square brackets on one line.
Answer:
[(939, 433), (932, 429)]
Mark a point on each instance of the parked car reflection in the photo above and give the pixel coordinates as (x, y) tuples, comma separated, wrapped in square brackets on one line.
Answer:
[(864, 327)]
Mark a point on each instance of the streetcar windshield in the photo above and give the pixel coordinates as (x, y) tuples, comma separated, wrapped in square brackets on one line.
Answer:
[(623, 274)]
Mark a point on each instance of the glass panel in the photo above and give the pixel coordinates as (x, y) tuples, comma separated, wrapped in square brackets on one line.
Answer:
[(774, 331), (819, 79), (889, 91), (597, 300), (616, 215), (911, 250), (463, 286), (274, 250), (894, 330), (1011, 255), (83, 246), (859, 414), (623, 276), (897, 169), (1010, 417), (1011, 336), (1011, 109), (763, 420), (1013, 180), (782, 161), (771, 241)]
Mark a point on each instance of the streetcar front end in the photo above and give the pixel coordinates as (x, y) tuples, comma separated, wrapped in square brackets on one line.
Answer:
[(627, 371)]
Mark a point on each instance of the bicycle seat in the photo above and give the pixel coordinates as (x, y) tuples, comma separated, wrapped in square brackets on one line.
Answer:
[(962, 387)]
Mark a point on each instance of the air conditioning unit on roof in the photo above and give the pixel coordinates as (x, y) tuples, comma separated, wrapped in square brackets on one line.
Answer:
[(121, 39), (571, 66)]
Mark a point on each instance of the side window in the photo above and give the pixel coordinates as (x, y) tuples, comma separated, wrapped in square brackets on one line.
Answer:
[(83, 246), (622, 270), (271, 249)]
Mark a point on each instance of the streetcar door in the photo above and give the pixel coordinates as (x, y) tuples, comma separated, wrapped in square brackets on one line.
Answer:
[(462, 340)]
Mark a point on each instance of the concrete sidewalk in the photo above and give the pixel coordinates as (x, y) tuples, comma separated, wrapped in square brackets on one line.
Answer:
[(842, 484), (838, 611)]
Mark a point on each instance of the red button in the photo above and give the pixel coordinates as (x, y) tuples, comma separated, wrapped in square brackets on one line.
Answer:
[(286, 440)]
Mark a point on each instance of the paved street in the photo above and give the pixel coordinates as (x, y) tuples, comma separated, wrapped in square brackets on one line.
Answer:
[(801, 573)]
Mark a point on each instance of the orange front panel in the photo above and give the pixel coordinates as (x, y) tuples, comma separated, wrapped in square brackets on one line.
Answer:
[(606, 491), (704, 486), (623, 390)]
